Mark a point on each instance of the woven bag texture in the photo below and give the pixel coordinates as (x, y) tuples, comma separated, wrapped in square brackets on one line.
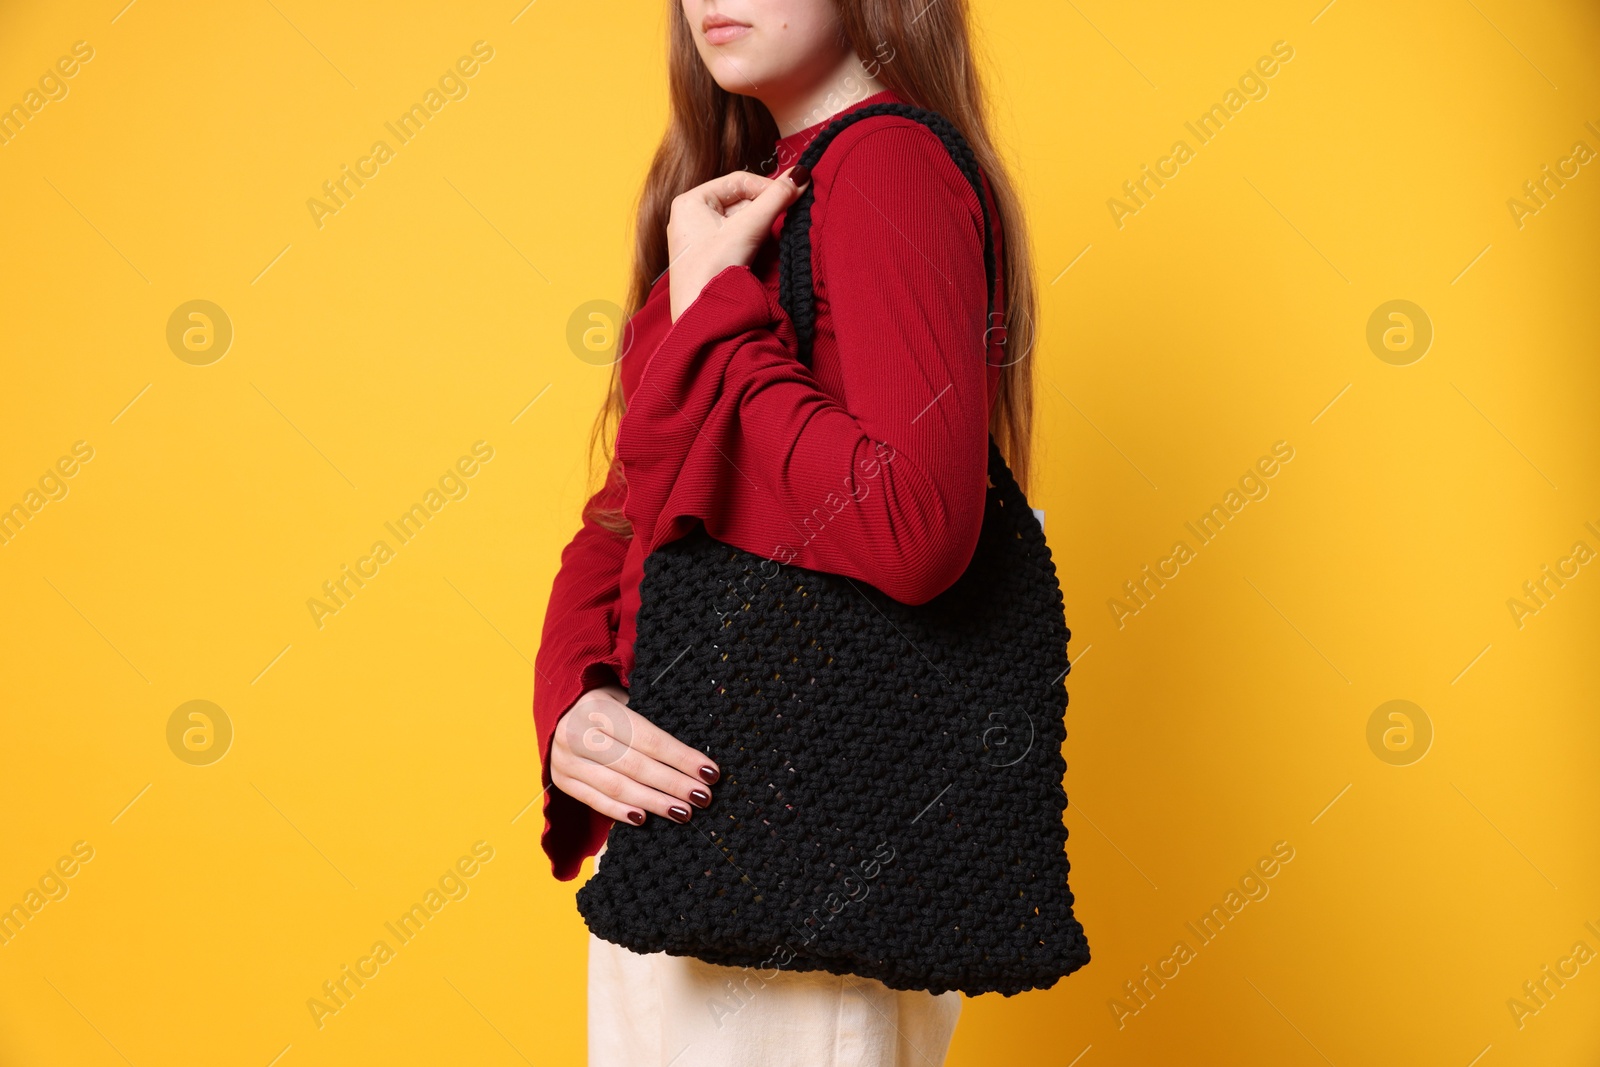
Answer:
[(890, 804)]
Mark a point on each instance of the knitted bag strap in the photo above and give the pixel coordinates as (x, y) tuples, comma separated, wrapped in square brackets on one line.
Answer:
[(795, 292)]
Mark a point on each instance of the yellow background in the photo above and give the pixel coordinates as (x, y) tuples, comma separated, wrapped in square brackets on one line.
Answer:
[(369, 354)]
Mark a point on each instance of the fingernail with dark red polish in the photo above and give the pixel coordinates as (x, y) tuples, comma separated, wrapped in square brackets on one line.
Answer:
[(699, 797), (636, 817), (800, 175), (678, 814), (710, 775)]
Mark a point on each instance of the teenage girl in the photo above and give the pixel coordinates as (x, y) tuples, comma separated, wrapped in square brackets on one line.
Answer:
[(871, 464)]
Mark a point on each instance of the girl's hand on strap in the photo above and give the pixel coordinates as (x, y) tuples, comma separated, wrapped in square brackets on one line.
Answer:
[(622, 765), (721, 224)]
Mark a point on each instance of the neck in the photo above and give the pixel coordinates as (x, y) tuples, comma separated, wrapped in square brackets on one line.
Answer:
[(823, 98)]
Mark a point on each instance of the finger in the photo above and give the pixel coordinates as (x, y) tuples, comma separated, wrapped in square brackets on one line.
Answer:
[(649, 771), (732, 188), (805, 178), (759, 214), (611, 808), (633, 794), (799, 176), (656, 743)]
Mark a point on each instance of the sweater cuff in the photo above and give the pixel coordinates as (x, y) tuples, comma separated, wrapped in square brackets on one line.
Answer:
[(573, 831), (680, 385), (729, 304), (732, 304)]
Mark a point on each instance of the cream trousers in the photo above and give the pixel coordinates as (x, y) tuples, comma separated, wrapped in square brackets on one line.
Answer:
[(658, 1010)]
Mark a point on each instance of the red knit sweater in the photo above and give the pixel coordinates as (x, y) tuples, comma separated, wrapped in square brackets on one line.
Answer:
[(872, 464)]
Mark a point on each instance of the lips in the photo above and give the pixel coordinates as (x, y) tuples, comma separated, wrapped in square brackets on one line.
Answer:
[(720, 29)]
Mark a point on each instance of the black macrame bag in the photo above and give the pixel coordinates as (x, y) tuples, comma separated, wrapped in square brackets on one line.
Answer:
[(890, 802)]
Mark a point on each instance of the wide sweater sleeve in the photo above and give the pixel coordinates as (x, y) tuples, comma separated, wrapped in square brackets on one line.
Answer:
[(577, 653), (884, 484)]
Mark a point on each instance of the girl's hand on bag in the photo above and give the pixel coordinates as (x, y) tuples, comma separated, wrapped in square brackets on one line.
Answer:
[(622, 765), (721, 224)]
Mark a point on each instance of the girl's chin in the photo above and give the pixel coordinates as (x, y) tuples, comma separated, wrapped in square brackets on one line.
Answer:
[(740, 80)]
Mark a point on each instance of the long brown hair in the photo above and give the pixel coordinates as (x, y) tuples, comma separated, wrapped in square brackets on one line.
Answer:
[(921, 51)]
